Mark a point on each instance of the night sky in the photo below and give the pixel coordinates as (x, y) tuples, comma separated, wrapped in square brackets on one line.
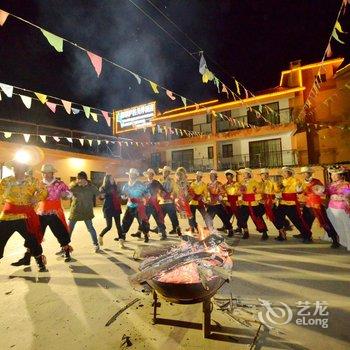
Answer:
[(251, 40)]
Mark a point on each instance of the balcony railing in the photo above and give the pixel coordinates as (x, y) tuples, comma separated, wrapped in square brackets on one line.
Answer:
[(259, 160), (197, 164), (284, 116)]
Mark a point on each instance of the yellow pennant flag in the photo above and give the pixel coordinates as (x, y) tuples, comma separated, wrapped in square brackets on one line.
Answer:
[(94, 116), (237, 87), (338, 27), (42, 98), (154, 87)]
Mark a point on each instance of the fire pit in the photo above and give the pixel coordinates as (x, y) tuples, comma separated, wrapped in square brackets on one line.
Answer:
[(187, 293), (190, 273)]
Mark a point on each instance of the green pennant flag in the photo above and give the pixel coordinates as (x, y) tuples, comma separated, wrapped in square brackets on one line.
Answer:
[(86, 111), (53, 40), (184, 101), (217, 83)]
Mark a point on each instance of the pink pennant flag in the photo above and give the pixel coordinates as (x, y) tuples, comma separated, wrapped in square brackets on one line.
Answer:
[(52, 106), (3, 17), (67, 106), (96, 62), (107, 117), (170, 95)]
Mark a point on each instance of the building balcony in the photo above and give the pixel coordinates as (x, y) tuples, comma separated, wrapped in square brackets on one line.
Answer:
[(262, 160), (284, 116), (193, 165)]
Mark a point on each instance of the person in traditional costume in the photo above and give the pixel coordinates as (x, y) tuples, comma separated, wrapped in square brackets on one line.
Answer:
[(182, 194), (112, 209), (82, 206), (290, 206), (51, 213), (137, 194), (153, 208), (215, 205), (338, 210), (20, 193), (198, 192), (251, 204), (314, 193), (232, 188), (167, 200)]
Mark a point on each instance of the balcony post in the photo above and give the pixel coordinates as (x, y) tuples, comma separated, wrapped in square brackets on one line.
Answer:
[(215, 155), (213, 126)]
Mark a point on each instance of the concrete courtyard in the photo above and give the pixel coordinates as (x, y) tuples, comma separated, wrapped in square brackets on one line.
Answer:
[(68, 307)]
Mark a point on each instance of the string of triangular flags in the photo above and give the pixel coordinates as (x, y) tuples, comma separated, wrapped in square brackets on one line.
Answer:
[(57, 42), (82, 140), (337, 28), (207, 75), (8, 90), (163, 129), (92, 112), (325, 125), (328, 100), (96, 60)]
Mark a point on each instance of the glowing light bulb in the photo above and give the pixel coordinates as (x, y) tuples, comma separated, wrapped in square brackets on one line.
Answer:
[(23, 157)]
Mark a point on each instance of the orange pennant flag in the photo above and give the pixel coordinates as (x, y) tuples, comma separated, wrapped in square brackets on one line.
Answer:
[(3, 17), (67, 106), (170, 95)]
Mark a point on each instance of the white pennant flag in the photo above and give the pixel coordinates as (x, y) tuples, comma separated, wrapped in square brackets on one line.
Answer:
[(81, 141), (27, 101), (43, 138), (7, 89), (57, 139), (90, 142), (69, 139), (98, 142), (7, 135), (26, 137)]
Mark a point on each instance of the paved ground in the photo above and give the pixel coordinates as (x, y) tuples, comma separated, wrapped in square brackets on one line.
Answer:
[(68, 307)]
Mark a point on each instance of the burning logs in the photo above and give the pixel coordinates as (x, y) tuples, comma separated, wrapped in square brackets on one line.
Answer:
[(205, 263)]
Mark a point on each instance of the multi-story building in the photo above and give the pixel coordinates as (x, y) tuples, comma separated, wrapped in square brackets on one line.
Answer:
[(265, 130)]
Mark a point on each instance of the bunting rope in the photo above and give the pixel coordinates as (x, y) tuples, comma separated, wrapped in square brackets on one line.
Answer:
[(57, 43), (206, 74), (327, 53), (67, 105), (42, 98)]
